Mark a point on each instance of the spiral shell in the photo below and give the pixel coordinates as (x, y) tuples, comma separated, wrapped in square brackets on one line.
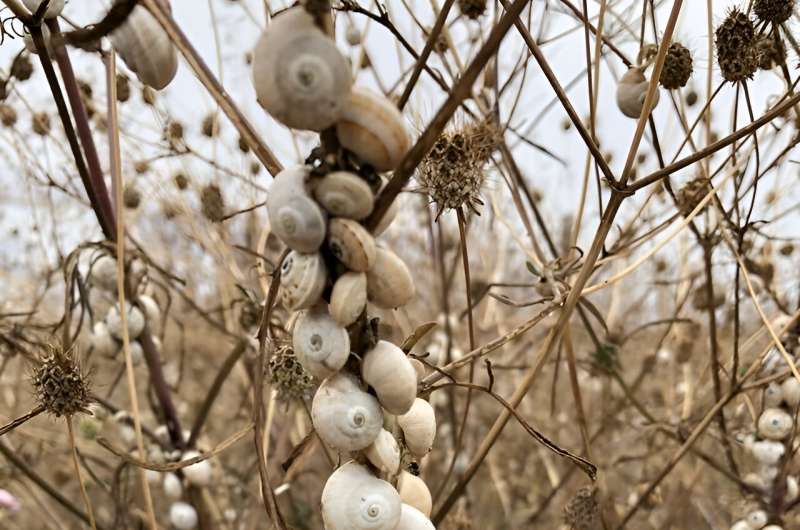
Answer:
[(303, 278), (135, 321), (767, 452), (384, 453), (322, 346), (413, 519), (300, 77), (104, 273), (353, 499), (345, 194), (414, 492), (774, 424), (632, 91), (389, 283), (53, 10), (419, 427), (388, 371), (349, 297), (773, 395), (351, 244), (344, 416), (183, 516), (293, 215), (101, 340), (198, 474), (146, 48), (373, 129), (173, 486), (790, 392), (756, 519)]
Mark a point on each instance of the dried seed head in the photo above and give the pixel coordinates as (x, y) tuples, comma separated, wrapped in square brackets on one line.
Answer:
[(255, 168), (41, 123), (472, 8), (131, 197), (212, 203), (141, 166), (148, 95), (770, 52), (250, 315), (582, 512), (123, 88), (691, 98), (690, 195), (288, 376), (735, 40), (22, 68), (175, 131), (775, 11), (8, 116), (244, 147), (61, 388), (677, 67), (210, 126), (181, 181)]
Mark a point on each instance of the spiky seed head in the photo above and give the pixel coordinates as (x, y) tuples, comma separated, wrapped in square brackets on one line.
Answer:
[(735, 41), (141, 166), (288, 376), (61, 388), (8, 116), (212, 204), (255, 168), (131, 197), (770, 52), (582, 512), (690, 195), (22, 68), (175, 131), (41, 123), (181, 181), (472, 8), (677, 67), (210, 126), (123, 88), (775, 11)]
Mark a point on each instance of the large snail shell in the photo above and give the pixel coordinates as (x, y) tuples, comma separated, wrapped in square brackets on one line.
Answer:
[(353, 499), (349, 297), (345, 194), (146, 48), (151, 311), (773, 395), (632, 91), (53, 10), (774, 424), (387, 370), (101, 340), (134, 320), (322, 346), (419, 427), (300, 77), (373, 129), (183, 516), (389, 283), (104, 273), (345, 416), (414, 492), (767, 452), (293, 215), (384, 453), (303, 278), (352, 244), (790, 392), (413, 519)]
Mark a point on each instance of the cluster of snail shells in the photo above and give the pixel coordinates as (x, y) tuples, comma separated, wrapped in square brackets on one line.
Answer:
[(182, 514), (755, 520), (632, 91)]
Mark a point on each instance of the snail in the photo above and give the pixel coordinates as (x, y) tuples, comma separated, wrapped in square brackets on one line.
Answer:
[(419, 427), (322, 346), (146, 48), (101, 340), (300, 77), (182, 515), (137, 353), (792, 490), (414, 492), (755, 481), (632, 91), (293, 215), (172, 486), (741, 525), (774, 424), (344, 416), (104, 273), (53, 10), (345, 194), (387, 370), (303, 278), (413, 519), (198, 474), (767, 452), (773, 395), (757, 519), (351, 244), (772, 527), (373, 129), (151, 310), (349, 297), (790, 392), (353, 499), (384, 453), (134, 320), (389, 283)]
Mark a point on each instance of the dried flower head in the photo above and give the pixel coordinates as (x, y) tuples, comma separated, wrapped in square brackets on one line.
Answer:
[(472, 8), (582, 512), (175, 131), (244, 147), (61, 388), (8, 116), (775, 11), (735, 40), (123, 88), (210, 126), (148, 95), (22, 68), (677, 67), (212, 203), (288, 376), (691, 98), (41, 123), (690, 195), (131, 197), (181, 181), (141, 166), (770, 52)]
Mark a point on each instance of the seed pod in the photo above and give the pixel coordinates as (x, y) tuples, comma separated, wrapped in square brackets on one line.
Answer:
[(414, 492), (321, 345), (146, 48), (344, 416), (293, 215), (349, 297), (389, 283), (384, 453), (353, 499), (419, 427), (387, 370), (303, 278), (351, 244)]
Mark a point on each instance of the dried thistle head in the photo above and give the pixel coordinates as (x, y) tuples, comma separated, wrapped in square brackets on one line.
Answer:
[(61, 387), (472, 8), (775, 11), (8, 116), (288, 376), (123, 88), (212, 204), (174, 131), (22, 68), (677, 67), (582, 512), (770, 52), (736, 53), (181, 181), (148, 95), (210, 126), (690, 195), (41, 123), (131, 197)]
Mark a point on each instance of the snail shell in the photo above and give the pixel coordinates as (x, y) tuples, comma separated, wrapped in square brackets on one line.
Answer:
[(767, 452), (352, 244), (419, 427), (345, 194), (146, 48), (414, 492), (151, 311), (413, 519), (344, 416), (173, 486), (792, 490), (756, 519), (774, 424), (353, 499), (293, 215), (101, 340), (183, 516), (741, 525), (198, 474), (773, 395), (790, 392), (135, 321), (388, 371), (384, 453), (389, 283), (104, 273), (632, 91), (349, 297), (53, 10), (373, 129), (322, 346), (300, 77), (303, 278)]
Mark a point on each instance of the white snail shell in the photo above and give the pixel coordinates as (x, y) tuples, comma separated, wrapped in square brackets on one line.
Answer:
[(389, 282), (388, 218), (135, 321), (137, 353), (293, 215), (351, 244), (373, 129), (388, 371), (353, 499), (419, 427), (344, 416), (300, 77), (791, 392), (773, 395), (349, 297), (198, 474), (384, 453), (303, 278), (756, 519), (413, 519), (755, 481), (173, 487), (774, 424), (769, 473), (740, 525), (53, 10), (792, 489), (183, 516), (322, 346), (104, 273), (345, 194), (767, 452), (151, 311), (146, 48), (631, 92), (414, 492), (772, 527), (101, 340)]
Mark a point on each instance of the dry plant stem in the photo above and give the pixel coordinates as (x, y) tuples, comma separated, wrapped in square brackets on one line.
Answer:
[(217, 91), (576, 393), (77, 466), (593, 29), (5, 429)]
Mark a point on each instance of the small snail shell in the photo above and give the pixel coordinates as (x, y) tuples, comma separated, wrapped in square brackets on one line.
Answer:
[(345, 416), (135, 321), (349, 297), (104, 273), (384, 453), (101, 340), (353, 499), (345, 194), (151, 310), (137, 353), (293, 215), (772, 527), (172, 486), (303, 278), (741, 525), (322, 346), (755, 481), (387, 370), (419, 427), (388, 218), (198, 474), (146, 48), (183, 516), (353, 35), (631, 92), (152, 477), (300, 77), (414, 492), (373, 129), (773, 395), (53, 10), (351, 244), (413, 519), (769, 473), (774, 424), (389, 283), (756, 519), (790, 390), (792, 490), (767, 452)]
